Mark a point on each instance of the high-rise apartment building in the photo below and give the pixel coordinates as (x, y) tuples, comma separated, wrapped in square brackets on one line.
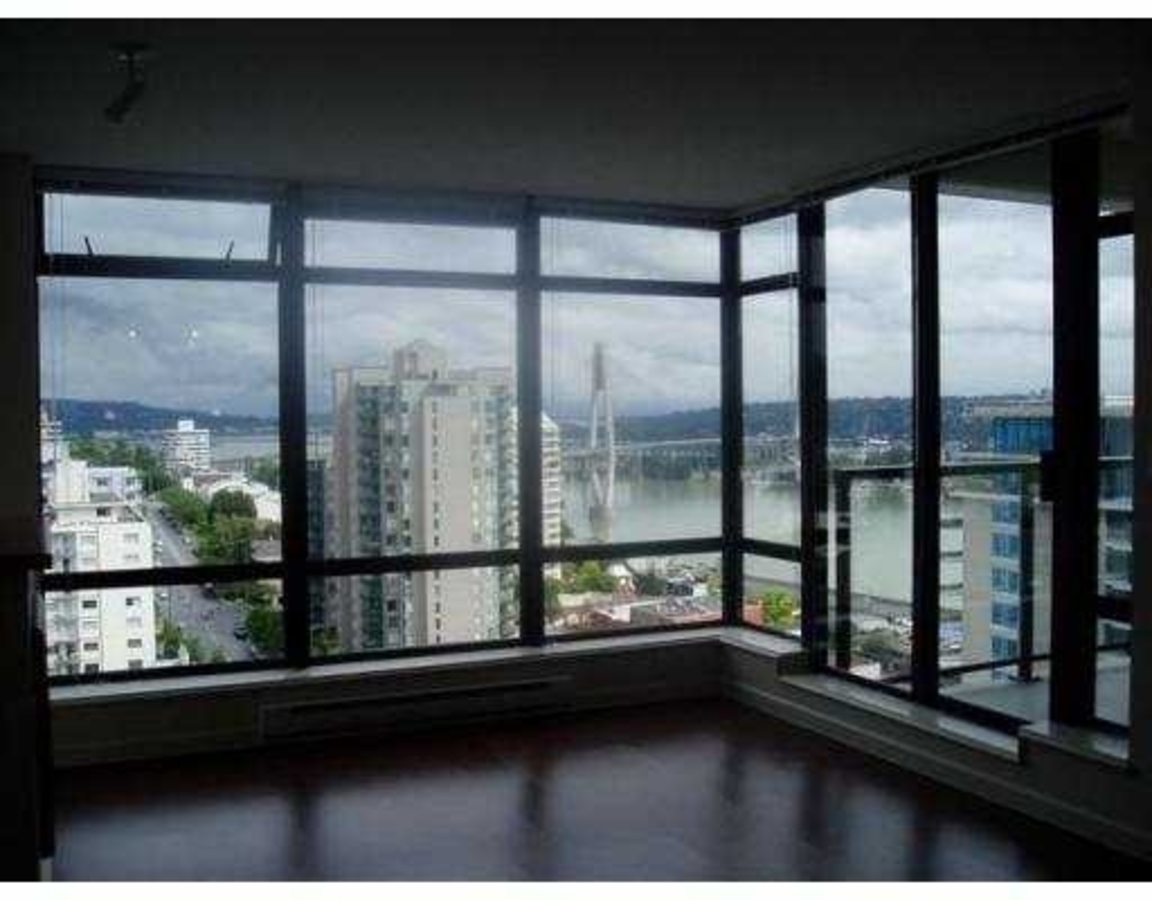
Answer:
[(996, 558), (187, 448), (95, 523), (424, 460)]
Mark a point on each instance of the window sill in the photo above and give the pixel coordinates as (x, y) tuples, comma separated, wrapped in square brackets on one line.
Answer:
[(761, 642), (64, 696), (1086, 743), (905, 712)]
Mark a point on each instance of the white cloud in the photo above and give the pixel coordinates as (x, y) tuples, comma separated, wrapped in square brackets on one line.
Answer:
[(214, 346)]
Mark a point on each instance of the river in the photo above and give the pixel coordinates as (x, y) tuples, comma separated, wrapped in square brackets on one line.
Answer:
[(654, 509), (657, 510)]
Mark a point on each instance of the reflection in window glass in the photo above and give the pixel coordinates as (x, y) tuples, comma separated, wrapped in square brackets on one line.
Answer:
[(1117, 381), (869, 304), (617, 250), (618, 594), (771, 418), (772, 594), (412, 421), (365, 613), (135, 226), (90, 632), (404, 245), (996, 382), (633, 387), (768, 248)]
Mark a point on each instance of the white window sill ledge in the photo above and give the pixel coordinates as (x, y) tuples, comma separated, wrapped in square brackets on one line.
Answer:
[(913, 715), (152, 688)]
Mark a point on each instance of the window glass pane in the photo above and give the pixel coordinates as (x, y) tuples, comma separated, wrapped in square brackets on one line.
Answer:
[(869, 327), (1117, 381), (618, 250), (365, 613), (412, 416), (617, 594), (91, 632), (772, 594), (159, 431), (771, 418), (404, 245), (632, 385), (996, 382), (768, 248), (137, 226)]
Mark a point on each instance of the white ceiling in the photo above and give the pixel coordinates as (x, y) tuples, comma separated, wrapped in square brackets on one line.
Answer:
[(685, 113)]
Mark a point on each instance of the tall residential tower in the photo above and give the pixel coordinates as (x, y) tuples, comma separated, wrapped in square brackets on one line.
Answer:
[(424, 460)]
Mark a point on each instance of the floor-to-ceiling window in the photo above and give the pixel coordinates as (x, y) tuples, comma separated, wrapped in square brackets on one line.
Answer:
[(869, 452)]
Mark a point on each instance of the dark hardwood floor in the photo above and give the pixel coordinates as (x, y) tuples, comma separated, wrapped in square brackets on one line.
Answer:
[(679, 791)]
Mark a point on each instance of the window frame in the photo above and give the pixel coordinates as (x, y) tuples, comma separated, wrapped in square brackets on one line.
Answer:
[(292, 203)]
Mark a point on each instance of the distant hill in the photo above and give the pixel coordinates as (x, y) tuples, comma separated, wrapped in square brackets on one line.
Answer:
[(887, 418), (82, 417)]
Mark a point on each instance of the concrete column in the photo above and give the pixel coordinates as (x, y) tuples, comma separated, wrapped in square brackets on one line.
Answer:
[(22, 687), (1141, 697)]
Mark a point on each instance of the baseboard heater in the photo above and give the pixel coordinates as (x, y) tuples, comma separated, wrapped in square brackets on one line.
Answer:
[(405, 709)]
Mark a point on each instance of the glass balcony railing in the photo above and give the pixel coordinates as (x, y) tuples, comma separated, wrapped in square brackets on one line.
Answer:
[(994, 592)]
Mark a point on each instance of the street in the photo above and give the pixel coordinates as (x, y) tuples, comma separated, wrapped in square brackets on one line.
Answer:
[(210, 621)]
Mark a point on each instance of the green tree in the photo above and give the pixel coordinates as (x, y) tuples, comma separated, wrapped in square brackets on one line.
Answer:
[(265, 627), (590, 576), (226, 540), (649, 584), (169, 637), (552, 590), (325, 642), (252, 593), (779, 608), (119, 452), (265, 470), (188, 509), (882, 646), (196, 652), (231, 503)]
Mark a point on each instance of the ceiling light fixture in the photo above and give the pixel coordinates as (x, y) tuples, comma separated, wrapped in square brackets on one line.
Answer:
[(131, 56)]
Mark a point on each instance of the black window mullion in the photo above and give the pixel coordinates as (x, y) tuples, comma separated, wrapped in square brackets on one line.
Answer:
[(293, 431), (813, 390), (1075, 424), (528, 402), (926, 438), (732, 427)]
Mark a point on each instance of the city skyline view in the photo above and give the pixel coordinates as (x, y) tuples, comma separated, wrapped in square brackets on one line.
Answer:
[(411, 404)]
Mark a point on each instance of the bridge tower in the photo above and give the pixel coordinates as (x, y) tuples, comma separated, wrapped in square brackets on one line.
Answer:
[(602, 443)]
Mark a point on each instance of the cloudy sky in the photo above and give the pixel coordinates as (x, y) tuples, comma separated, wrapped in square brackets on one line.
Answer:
[(213, 346)]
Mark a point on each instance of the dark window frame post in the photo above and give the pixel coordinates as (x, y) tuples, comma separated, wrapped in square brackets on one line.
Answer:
[(732, 426), (1075, 423), (926, 438), (293, 431), (813, 390), (528, 401)]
